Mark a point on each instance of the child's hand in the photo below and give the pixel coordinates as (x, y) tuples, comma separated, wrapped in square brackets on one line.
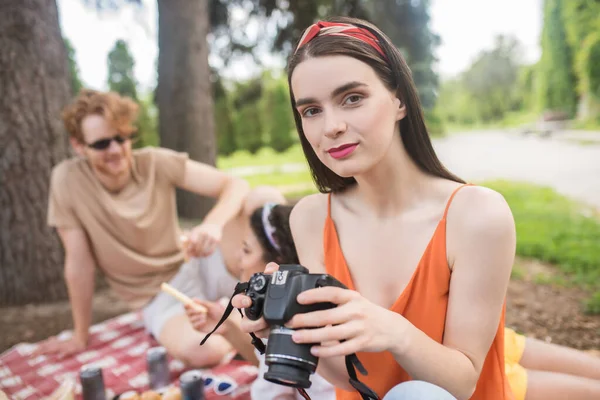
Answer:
[(205, 322)]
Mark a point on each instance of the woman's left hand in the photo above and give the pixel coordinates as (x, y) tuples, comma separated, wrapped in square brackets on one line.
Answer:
[(356, 324)]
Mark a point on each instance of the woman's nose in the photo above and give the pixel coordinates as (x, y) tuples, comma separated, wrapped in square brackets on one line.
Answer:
[(334, 124)]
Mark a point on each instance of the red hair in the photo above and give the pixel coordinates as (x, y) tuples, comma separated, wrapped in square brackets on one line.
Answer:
[(120, 111)]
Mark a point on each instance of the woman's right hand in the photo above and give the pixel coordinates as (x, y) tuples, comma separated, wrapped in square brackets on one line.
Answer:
[(259, 327)]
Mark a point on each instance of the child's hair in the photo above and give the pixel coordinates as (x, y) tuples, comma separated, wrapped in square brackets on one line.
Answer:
[(121, 112), (350, 37), (275, 237)]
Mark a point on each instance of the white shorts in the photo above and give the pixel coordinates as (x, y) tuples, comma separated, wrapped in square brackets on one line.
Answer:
[(204, 278)]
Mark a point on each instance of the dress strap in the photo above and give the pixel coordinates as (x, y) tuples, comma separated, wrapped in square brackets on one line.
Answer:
[(452, 197)]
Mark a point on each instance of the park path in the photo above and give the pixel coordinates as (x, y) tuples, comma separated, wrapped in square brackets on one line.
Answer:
[(571, 167)]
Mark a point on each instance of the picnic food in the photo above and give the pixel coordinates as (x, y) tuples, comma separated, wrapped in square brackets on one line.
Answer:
[(165, 287), (151, 395), (173, 393), (131, 395), (66, 391)]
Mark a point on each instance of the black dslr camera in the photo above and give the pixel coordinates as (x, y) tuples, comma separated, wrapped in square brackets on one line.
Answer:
[(274, 298)]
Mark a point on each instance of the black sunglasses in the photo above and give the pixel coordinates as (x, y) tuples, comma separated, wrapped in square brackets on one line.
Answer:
[(104, 144)]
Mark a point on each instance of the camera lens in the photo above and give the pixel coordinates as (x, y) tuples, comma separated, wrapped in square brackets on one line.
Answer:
[(289, 363)]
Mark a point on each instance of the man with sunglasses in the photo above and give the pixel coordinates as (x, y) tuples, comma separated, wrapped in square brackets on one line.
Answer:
[(114, 209)]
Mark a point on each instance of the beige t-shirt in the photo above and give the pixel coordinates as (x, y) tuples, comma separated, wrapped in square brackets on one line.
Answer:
[(133, 234)]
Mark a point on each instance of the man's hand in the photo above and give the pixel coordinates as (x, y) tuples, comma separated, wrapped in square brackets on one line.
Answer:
[(61, 348), (203, 240)]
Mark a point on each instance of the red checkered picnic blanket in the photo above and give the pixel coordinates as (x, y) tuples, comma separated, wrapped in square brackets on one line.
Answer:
[(118, 346)]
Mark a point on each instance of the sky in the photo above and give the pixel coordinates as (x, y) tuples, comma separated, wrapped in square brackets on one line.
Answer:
[(465, 26)]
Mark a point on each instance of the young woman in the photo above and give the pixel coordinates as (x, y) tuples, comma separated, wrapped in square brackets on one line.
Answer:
[(426, 258)]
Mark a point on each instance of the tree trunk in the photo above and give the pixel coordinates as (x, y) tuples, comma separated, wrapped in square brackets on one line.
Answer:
[(184, 94), (34, 83)]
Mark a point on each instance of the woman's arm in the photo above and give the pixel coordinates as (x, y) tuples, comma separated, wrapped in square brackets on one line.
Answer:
[(481, 247)]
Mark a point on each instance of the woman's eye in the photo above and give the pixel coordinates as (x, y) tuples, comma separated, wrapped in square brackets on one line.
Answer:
[(353, 99), (309, 112)]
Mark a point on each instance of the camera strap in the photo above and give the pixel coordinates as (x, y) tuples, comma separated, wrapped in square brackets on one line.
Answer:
[(256, 342), (353, 364), (352, 361)]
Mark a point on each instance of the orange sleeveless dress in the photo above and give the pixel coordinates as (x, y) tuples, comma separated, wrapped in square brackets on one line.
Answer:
[(423, 302)]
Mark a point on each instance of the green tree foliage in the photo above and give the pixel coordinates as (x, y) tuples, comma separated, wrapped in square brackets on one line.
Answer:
[(278, 118), (249, 126), (76, 84), (224, 118), (556, 80), (581, 17), (456, 104), (491, 79), (147, 122), (121, 77), (582, 23), (589, 65), (253, 114), (526, 87), (226, 134), (488, 89), (407, 23)]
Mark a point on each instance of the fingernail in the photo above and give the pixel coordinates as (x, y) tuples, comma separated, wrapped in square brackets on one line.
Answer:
[(246, 303), (314, 351)]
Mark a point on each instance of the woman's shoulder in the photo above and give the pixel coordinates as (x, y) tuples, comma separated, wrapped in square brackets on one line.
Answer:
[(479, 218), (310, 211), (474, 204)]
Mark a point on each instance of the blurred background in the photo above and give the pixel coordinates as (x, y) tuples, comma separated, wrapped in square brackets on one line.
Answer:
[(511, 92)]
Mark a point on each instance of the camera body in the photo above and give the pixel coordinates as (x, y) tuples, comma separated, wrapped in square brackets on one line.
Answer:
[(274, 298)]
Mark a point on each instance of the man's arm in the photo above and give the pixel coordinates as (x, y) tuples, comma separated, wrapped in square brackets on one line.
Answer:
[(208, 181), (79, 272), (230, 193), (79, 275)]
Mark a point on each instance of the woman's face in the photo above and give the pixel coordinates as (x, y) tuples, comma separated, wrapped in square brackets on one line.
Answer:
[(251, 257), (348, 116)]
